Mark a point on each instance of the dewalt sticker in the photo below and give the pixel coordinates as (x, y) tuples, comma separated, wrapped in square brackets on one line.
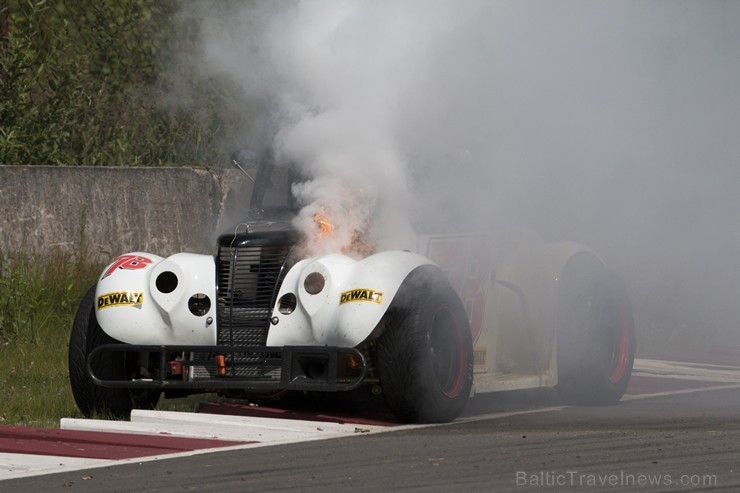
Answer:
[(121, 298), (362, 294)]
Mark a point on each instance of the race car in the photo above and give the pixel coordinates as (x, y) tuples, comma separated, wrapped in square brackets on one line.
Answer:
[(426, 329)]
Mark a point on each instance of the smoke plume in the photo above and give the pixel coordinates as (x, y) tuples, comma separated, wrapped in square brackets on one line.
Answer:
[(610, 123)]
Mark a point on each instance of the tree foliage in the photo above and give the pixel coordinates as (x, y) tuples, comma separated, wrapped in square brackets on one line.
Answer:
[(82, 83)]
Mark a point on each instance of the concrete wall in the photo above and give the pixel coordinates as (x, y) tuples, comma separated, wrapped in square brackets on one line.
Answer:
[(158, 210)]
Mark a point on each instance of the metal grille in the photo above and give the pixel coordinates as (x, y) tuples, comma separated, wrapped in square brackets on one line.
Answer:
[(248, 280)]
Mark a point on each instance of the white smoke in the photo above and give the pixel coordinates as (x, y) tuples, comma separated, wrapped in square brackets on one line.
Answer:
[(347, 68), (341, 76), (610, 123)]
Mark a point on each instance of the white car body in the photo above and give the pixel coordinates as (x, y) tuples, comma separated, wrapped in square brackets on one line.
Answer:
[(510, 297), (464, 313)]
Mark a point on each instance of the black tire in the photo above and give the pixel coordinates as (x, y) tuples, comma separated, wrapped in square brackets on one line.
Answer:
[(596, 334), (92, 399), (425, 353)]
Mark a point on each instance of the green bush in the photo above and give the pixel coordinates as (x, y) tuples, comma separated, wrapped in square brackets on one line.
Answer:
[(82, 83)]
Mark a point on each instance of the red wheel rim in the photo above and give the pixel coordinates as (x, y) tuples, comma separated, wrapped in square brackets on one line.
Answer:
[(448, 352), (621, 356)]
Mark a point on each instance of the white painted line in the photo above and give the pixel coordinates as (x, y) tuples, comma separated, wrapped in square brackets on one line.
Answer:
[(22, 465), (483, 417), (636, 397), (686, 371)]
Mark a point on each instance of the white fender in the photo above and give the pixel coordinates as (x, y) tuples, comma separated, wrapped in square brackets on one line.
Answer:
[(536, 271), (146, 299), (355, 296)]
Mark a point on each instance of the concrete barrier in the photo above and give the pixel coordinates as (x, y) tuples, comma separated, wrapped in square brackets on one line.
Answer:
[(114, 210)]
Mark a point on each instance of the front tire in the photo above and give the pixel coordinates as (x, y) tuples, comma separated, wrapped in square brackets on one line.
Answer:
[(90, 398), (425, 354), (596, 335)]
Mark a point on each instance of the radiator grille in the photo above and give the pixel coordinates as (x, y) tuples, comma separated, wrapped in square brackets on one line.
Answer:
[(249, 277)]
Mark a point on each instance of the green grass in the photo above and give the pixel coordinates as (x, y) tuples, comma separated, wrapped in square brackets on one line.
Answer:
[(38, 300)]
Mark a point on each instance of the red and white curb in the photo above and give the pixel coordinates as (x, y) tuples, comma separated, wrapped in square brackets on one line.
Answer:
[(31, 451), (253, 431), (152, 435)]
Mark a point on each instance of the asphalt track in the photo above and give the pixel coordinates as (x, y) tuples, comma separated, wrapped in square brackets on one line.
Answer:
[(669, 434)]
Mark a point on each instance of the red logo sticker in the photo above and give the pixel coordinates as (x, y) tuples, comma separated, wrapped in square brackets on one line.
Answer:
[(128, 262)]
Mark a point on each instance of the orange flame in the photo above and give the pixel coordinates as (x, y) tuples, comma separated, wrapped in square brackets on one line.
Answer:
[(325, 227)]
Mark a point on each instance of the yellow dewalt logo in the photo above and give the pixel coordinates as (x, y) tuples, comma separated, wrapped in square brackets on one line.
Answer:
[(120, 298), (361, 295)]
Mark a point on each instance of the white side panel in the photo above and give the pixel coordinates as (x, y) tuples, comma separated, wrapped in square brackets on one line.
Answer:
[(355, 297), (133, 308)]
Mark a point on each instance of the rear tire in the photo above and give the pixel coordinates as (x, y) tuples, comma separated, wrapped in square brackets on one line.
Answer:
[(425, 354), (90, 398), (596, 334)]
